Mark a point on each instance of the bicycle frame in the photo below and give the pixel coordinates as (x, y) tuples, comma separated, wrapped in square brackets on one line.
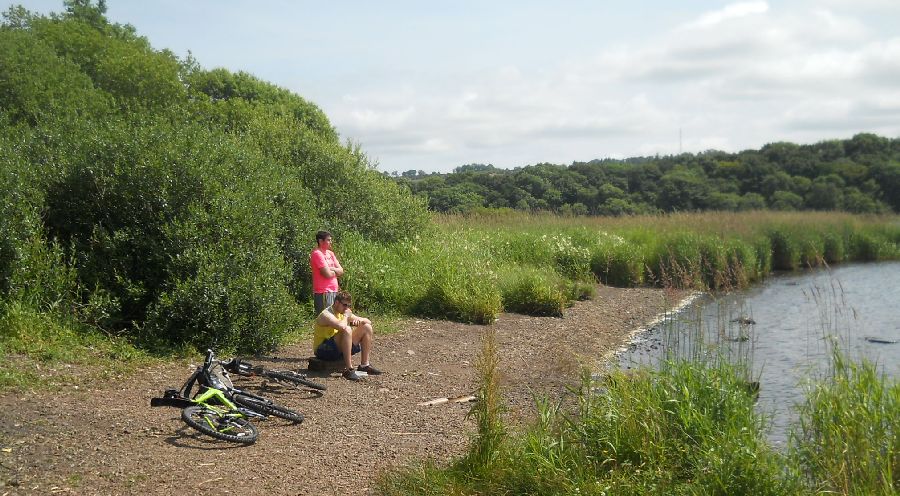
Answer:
[(210, 393)]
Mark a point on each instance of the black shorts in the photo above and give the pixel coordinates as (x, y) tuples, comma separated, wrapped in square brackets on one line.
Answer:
[(329, 351)]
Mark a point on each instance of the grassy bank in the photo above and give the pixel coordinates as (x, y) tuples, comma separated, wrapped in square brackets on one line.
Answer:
[(688, 428), (43, 350), (466, 269), (479, 265)]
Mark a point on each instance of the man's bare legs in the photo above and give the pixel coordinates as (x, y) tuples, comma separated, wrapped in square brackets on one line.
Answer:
[(361, 335)]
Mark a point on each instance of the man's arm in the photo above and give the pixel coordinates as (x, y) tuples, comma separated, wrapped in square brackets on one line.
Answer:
[(328, 319), (317, 259), (355, 320), (338, 269)]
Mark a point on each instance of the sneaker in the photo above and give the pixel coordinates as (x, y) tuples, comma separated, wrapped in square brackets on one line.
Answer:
[(368, 369), (351, 375)]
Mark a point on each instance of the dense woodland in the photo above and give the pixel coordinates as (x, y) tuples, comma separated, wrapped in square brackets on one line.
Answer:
[(148, 196), (860, 175)]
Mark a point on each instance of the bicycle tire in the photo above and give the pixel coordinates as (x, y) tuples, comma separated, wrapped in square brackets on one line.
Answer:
[(294, 378), (213, 423), (267, 407)]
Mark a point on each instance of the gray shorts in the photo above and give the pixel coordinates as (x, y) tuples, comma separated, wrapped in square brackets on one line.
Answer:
[(321, 301)]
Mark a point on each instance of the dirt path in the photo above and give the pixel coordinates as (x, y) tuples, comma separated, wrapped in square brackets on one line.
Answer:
[(67, 443)]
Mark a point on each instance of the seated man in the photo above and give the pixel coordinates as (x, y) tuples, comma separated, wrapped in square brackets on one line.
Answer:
[(339, 335)]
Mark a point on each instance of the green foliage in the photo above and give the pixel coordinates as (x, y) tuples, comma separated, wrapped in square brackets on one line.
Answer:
[(533, 292), (785, 249), (454, 294), (220, 85), (616, 261), (149, 197), (834, 247), (385, 278), (37, 84), (28, 336), (687, 429), (235, 300), (849, 432), (832, 175), (487, 448)]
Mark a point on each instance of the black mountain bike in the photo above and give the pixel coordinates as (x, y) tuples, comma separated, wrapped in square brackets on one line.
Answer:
[(219, 409), (240, 367), (213, 374)]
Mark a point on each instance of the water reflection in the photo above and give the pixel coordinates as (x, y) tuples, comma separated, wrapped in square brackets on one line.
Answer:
[(783, 327)]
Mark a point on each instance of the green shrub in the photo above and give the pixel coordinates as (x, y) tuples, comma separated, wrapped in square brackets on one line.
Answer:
[(785, 250), (570, 259), (616, 261), (532, 292), (677, 260), (234, 300), (865, 246), (581, 290), (457, 297), (386, 278), (812, 247), (762, 250)]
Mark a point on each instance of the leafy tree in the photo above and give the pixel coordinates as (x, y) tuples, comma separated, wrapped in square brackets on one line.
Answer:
[(786, 200), (684, 189), (826, 193), (887, 176), (752, 201), (163, 202)]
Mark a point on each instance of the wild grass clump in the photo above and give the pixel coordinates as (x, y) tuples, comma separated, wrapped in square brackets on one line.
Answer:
[(871, 245), (531, 291), (686, 429), (785, 249), (476, 471), (690, 426), (581, 290), (488, 446), (616, 261), (834, 248), (28, 336), (848, 438), (458, 282), (385, 278)]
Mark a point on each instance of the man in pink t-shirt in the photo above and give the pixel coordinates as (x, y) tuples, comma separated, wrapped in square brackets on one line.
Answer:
[(325, 272)]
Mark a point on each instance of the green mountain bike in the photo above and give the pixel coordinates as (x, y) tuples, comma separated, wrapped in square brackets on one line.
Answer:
[(213, 414)]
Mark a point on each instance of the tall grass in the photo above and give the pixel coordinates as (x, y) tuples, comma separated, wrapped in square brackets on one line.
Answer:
[(685, 426), (687, 429), (475, 472), (476, 266), (28, 336), (848, 439)]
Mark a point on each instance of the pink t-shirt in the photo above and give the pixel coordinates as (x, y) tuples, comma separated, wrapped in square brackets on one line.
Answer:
[(317, 260)]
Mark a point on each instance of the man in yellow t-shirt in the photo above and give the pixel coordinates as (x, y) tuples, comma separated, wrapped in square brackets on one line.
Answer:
[(339, 334)]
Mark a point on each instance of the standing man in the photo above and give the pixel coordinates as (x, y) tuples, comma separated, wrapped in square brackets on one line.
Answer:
[(325, 272)]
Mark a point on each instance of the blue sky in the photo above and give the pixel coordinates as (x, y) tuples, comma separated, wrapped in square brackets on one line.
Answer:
[(435, 85)]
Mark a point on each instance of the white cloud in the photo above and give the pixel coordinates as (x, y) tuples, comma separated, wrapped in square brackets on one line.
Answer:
[(733, 11), (732, 79)]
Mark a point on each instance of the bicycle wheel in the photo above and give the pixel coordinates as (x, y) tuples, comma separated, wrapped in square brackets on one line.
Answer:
[(219, 426), (267, 407), (293, 378)]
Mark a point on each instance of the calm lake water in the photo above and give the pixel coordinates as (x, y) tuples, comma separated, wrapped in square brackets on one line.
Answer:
[(783, 327)]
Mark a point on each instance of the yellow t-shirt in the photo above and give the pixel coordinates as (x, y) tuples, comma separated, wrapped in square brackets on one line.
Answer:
[(323, 332)]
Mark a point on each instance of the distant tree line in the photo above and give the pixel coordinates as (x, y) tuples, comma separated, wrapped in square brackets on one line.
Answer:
[(860, 175)]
